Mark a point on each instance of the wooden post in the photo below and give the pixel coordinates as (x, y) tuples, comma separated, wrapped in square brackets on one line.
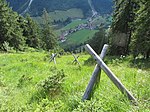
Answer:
[(95, 75), (110, 74), (75, 59), (53, 58)]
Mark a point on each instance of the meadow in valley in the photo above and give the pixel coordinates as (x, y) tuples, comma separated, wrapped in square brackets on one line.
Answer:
[(29, 82)]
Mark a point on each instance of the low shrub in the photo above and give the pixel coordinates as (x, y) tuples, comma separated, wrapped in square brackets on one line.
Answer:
[(52, 85), (23, 80)]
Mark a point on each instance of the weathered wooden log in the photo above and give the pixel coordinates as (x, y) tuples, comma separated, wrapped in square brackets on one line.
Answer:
[(75, 59), (53, 58), (95, 76), (110, 74)]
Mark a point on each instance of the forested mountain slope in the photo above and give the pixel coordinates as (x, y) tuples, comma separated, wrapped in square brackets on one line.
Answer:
[(103, 6), (35, 7)]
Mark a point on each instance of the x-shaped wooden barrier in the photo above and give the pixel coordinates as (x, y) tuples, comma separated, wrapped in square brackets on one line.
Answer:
[(95, 76), (109, 73), (75, 59), (53, 58)]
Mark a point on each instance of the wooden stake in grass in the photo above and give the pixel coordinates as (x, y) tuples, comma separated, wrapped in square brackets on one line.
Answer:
[(110, 74), (95, 76), (75, 59), (53, 58)]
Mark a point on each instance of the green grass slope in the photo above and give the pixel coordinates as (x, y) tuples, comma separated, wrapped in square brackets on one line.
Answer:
[(21, 73), (78, 37), (61, 15), (73, 24)]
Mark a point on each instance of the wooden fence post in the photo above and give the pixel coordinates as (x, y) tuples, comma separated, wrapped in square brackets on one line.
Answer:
[(110, 74), (95, 75), (53, 58), (75, 59)]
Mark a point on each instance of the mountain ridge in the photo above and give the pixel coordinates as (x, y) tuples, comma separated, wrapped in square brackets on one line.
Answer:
[(35, 7)]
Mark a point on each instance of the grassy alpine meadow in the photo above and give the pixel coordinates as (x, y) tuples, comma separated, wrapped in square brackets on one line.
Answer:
[(75, 38), (74, 24), (60, 15), (29, 82), (71, 25)]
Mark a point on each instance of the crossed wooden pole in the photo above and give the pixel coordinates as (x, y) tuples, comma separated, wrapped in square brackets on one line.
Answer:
[(52, 58), (108, 72), (75, 59), (95, 76)]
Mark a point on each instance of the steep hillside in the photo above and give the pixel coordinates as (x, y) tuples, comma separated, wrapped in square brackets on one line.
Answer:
[(30, 83), (35, 7), (103, 6)]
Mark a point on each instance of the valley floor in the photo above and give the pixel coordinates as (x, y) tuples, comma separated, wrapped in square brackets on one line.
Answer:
[(29, 82)]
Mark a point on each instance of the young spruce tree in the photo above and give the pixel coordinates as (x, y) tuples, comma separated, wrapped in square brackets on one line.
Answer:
[(31, 32), (121, 30), (10, 31), (141, 34), (48, 37)]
